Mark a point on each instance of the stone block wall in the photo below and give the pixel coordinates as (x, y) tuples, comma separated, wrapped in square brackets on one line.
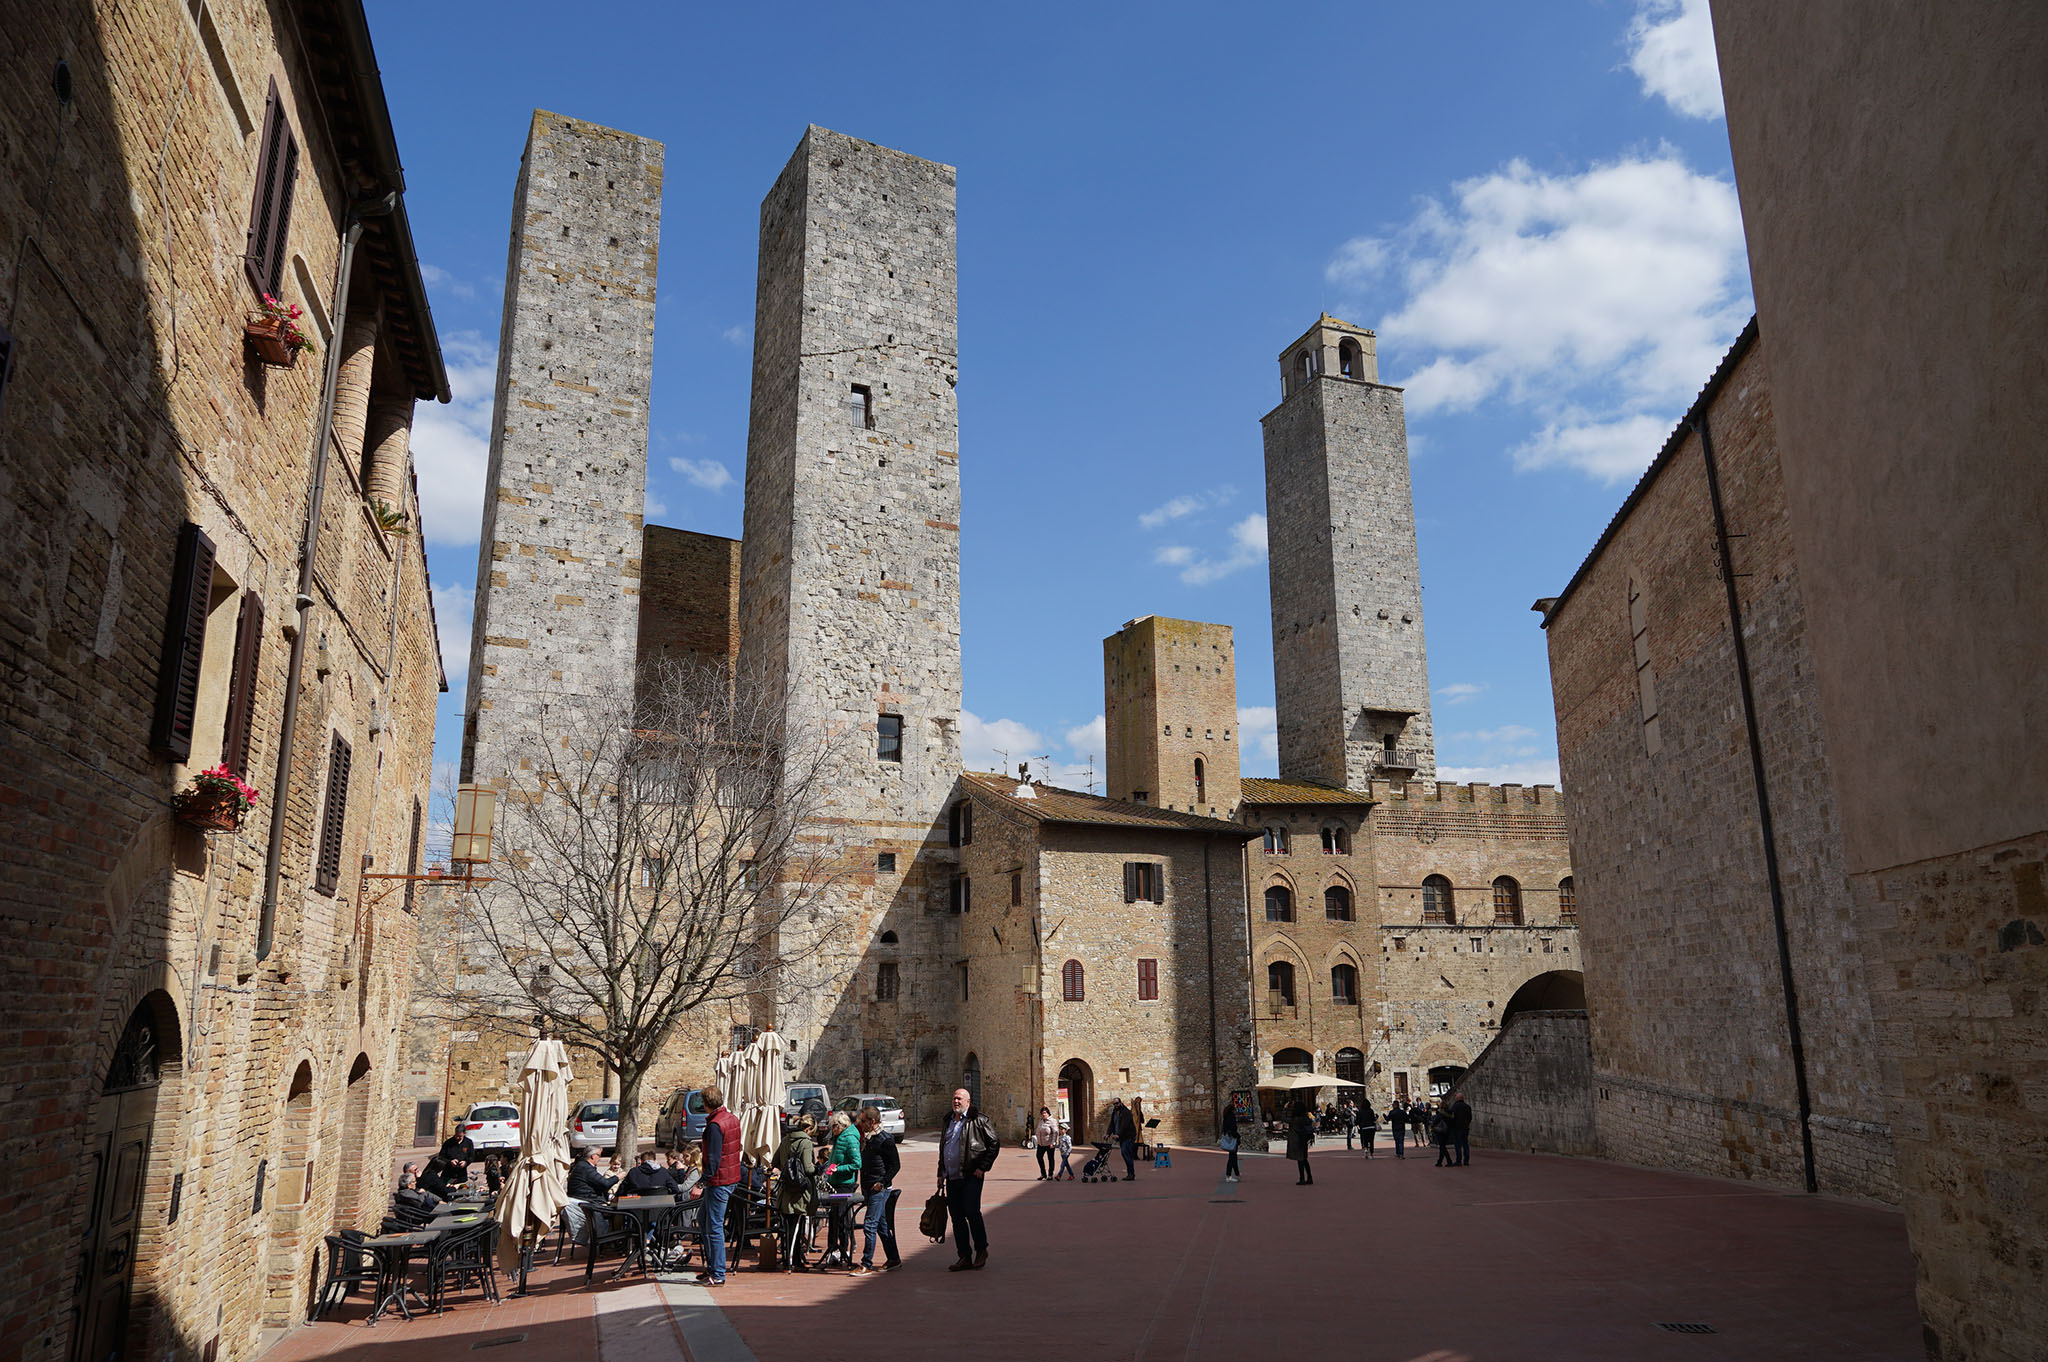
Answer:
[(132, 409), (1532, 1087), (1169, 701), (689, 596), (1688, 1011), (850, 590)]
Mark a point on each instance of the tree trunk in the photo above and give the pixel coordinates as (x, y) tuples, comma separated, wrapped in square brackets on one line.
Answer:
[(629, 1114)]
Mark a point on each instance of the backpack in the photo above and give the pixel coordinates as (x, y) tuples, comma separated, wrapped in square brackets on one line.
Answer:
[(798, 1171)]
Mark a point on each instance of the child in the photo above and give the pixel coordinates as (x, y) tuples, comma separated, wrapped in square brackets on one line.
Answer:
[(1066, 1147)]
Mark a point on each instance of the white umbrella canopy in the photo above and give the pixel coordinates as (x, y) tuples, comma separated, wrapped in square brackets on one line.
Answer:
[(757, 1097), (539, 1181), (1291, 1082)]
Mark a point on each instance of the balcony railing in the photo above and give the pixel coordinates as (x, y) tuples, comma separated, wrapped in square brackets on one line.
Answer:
[(1396, 758)]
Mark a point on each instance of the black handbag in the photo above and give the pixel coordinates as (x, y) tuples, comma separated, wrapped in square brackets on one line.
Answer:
[(932, 1224)]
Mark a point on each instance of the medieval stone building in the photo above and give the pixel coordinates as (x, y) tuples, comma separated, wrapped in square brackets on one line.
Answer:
[(214, 568)]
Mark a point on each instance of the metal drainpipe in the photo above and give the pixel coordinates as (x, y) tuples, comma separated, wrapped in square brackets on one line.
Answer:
[(309, 540), (1763, 805)]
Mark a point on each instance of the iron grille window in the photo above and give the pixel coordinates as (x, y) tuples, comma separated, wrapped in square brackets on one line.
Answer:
[(885, 981), (860, 406), (333, 818), (889, 737), (1148, 980)]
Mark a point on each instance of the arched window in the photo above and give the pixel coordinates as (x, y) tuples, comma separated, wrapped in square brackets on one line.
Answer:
[(1279, 904), (1507, 901), (1292, 1061), (1201, 783), (1334, 841), (1280, 983), (1436, 900), (1280, 841), (1073, 982), (1567, 902), (1344, 985), (888, 938), (1350, 358), (1337, 903)]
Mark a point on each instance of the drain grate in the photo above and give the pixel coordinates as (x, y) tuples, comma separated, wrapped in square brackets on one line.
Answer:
[(498, 1342), (1687, 1328), (1226, 1201)]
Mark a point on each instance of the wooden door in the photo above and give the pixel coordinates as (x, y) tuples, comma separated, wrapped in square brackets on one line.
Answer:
[(119, 1146)]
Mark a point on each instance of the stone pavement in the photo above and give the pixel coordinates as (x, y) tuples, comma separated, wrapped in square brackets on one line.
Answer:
[(1517, 1257)]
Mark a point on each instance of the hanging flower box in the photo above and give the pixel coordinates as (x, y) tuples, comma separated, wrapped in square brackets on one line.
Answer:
[(275, 335), (216, 802)]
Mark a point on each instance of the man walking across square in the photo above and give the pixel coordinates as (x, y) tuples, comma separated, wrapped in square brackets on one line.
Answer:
[(1124, 1130), (967, 1150)]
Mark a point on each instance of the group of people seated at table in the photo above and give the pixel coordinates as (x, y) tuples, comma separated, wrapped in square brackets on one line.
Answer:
[(447, 1175)]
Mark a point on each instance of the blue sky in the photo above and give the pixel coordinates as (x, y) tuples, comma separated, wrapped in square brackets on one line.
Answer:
[(1533, 205)]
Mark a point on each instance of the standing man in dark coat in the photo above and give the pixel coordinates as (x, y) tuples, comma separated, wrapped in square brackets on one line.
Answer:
[(1461, 1129), (1124, 1130), (1397, 1123), (967, 1150)]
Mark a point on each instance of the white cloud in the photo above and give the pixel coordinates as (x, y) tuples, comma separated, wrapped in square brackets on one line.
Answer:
[(709, 474), (1511, 773), (1506, 733), (1187, 505), (983, 743), (737, 336), (445, 282), (1671, 50), (1258, 738), (1247, 545), (653, 506), (1173, 555), (1459, 692), (1598, 302), (451, 442), (454, 608), (1091, 737)]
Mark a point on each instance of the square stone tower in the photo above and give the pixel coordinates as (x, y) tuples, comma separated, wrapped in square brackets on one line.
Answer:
[(850, 576), (558, 572), (1169, 708), (1351, 677)]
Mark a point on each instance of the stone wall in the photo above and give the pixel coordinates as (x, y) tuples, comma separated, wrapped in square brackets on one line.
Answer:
[(689, 597), (1349, 661), (1170, 701), (1532, 1087), (134, 408), (1688, 1010), (850, 580)]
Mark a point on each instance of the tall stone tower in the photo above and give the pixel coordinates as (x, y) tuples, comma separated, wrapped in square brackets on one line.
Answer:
[(558, 572), (850, 576), (1169, 708), (1351, 677)]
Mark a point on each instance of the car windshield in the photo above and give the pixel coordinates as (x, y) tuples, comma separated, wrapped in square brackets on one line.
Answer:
[(600, 1111), (494, 1113)]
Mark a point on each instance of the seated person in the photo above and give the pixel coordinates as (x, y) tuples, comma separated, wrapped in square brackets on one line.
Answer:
[(649, 1178), (586, 1183), (441, 1178), (409, 1194)]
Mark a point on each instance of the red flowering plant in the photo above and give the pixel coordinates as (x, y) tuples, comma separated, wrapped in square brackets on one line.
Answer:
[(222, 784), (285, 319)]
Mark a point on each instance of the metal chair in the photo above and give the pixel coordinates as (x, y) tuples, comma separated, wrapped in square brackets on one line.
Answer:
[(463, 1256), (609, 1229), (349, 1265)]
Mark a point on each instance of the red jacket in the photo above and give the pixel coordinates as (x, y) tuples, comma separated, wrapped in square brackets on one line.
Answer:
[(722, 1149)]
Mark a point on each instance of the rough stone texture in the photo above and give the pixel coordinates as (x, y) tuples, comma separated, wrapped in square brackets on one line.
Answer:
[(1688, 1013), (1170, 695), (558, 571), (1532, 1088), (689, 597), (850, 584), (133, 408), (1349, 662)]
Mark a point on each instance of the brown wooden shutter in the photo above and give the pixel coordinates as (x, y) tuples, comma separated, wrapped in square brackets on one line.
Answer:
[(270, 214), (241, 720), (177, 682), (1158, 877), (1130, 881), (333, 818)]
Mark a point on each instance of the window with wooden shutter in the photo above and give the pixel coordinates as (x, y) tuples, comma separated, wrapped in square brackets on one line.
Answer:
[(1073, 982), (177, 684), (1148, 980), (412, 854), (333, 818), (270, 215), (241, 716)]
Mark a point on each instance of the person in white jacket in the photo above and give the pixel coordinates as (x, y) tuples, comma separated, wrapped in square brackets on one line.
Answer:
[(1047, 1139)]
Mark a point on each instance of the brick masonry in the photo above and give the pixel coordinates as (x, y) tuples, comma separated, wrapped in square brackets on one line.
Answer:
[(133, 408), (1170, 692)]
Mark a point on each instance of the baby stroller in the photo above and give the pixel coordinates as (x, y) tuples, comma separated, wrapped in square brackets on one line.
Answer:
[(1093, 1170)]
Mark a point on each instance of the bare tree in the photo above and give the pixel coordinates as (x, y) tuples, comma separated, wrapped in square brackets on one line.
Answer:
[(659, 850)]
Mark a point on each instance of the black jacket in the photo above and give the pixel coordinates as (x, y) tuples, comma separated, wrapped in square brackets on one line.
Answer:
[(1121, 1127), (1461, 1116), (587, 1184), (1397, 1116), (440, 1178), (979, 1143), (879, 1161), (645, 1181)]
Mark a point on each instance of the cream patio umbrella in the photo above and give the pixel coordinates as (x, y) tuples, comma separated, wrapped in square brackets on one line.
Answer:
[(1292, 1082), (539, 1182), (756, 1096)]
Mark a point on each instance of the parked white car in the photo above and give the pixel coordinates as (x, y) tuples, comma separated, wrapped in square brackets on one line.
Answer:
[(887, 1108), (492, 1125), (594, 1125)]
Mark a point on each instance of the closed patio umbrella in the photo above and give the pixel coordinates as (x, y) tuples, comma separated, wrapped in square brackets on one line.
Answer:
[(758, 1101), (538, 1184)]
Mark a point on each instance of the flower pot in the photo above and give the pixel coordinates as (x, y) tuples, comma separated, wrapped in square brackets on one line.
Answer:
[(209, 809), (266, 337)]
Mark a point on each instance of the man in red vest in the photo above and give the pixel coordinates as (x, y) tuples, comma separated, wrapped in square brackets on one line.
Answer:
[(721, 1175)]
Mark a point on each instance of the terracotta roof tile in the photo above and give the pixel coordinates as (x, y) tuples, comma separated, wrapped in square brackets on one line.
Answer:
[(1258, 790), (1050, 804)]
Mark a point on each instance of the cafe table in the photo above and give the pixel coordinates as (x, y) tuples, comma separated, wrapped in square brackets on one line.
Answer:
[(642, 1209), (393, 1253), (458, 1219)]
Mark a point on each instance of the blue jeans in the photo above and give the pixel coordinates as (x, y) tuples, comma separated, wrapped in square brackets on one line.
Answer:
[(876, 1221), (715, 1199)]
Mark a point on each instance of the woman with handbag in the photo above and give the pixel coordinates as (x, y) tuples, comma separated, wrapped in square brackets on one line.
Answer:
[(795, 1191), (1229, 1141)]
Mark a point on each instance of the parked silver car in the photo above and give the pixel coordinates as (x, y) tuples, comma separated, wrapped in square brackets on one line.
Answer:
[(887, 1108), (594, 1125)]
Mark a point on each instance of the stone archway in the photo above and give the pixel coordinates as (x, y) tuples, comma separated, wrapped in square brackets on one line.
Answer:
[(1077, 1092), (119, 1146), (349, 1200), (1557, 990), (297, 1168)]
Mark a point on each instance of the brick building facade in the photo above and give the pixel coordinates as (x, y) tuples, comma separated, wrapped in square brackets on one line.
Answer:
[(200, 1025)]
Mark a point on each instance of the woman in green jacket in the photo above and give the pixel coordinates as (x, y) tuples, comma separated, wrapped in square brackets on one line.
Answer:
[(796, 1164), (845, 1177)]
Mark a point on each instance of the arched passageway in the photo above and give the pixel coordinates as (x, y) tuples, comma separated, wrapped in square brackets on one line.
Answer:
[(1076, 1101), (1558, 990)]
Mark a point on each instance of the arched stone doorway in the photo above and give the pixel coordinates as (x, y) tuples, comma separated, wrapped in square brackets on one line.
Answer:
[(290, 1234), (1350, 1066), (118, 1146), (1077, 1099), (1558, 990)]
